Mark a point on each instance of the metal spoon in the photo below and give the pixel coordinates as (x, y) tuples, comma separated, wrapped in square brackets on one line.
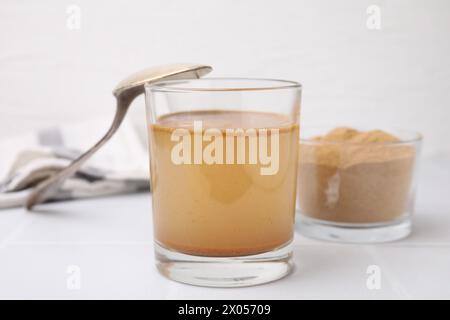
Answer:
[(125, 92)]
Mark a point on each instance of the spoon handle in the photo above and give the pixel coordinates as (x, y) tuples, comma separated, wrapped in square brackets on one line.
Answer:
[(47, 187), (125, 92)]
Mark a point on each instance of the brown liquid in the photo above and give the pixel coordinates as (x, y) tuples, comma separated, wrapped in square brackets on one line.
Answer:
[(223, 209)]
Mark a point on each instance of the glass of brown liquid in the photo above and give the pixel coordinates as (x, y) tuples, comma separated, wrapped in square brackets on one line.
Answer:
[(223, 163)]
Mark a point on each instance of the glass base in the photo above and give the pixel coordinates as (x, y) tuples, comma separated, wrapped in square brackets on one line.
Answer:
[(353, 232), (224, 271)]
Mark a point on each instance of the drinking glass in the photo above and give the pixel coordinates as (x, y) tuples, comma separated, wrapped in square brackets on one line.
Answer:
[(223, 164)]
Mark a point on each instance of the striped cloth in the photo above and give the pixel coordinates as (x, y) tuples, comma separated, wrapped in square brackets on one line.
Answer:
[(121, 166)]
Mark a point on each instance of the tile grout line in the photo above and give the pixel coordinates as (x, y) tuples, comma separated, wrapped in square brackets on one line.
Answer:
[(8, 239), (417, 245), (395, 284), (79, 243)]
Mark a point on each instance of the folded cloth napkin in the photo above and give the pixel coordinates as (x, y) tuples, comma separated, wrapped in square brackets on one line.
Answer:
[(121, 166)]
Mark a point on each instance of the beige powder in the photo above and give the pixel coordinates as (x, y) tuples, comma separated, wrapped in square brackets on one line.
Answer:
[(355, 177)]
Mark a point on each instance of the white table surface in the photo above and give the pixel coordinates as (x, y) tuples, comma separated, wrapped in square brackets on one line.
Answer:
[(110, 240)]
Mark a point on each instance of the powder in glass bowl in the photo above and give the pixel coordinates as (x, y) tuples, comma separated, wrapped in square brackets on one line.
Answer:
[(353, 176)]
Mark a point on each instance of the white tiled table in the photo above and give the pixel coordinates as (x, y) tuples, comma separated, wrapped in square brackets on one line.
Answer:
[(110, 240)]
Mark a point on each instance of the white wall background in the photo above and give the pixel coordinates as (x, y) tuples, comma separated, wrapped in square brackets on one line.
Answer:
[(398, 75)]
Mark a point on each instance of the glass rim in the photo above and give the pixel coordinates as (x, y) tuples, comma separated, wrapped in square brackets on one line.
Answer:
[(171, 85), (413, 137)]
